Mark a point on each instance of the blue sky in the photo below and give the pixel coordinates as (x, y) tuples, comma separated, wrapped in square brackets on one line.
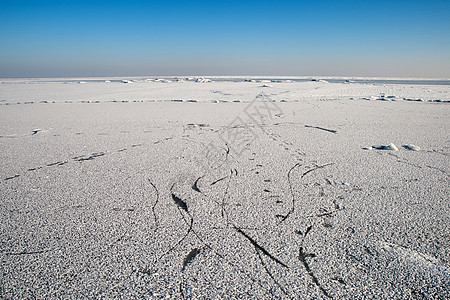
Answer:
[(124, 38)]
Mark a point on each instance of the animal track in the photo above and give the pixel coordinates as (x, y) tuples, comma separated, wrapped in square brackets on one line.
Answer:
[(89, 157), (79, 158)]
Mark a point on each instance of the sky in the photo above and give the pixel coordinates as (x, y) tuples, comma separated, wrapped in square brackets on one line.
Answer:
[(293, 38)]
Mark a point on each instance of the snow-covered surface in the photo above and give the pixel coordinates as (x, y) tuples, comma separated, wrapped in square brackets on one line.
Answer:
[(203, 89), (235, 191)]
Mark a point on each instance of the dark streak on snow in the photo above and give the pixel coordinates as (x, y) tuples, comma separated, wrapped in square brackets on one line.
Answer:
[(180, 202), (258, 247), (283, 218), (302, 256), (195, 185), (220, 179), (270, 274), (154, 205), (12, 177), (28, 252), (321, 128), (190, 257)]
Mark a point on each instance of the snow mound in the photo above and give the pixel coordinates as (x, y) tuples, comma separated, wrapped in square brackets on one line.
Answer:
[(408, 254), (203, 80), (391, 146)]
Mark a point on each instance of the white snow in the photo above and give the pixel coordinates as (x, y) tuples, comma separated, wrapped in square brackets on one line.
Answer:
[(391, 146), (208, 191), (203, 80)]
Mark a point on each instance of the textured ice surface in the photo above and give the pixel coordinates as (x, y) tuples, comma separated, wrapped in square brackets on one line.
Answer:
[(223, 200)]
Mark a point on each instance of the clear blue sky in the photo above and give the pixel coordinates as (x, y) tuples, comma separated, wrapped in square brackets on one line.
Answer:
[(128, 37)]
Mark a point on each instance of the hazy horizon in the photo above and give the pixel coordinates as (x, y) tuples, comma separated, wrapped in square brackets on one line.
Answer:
[(255, 38)]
